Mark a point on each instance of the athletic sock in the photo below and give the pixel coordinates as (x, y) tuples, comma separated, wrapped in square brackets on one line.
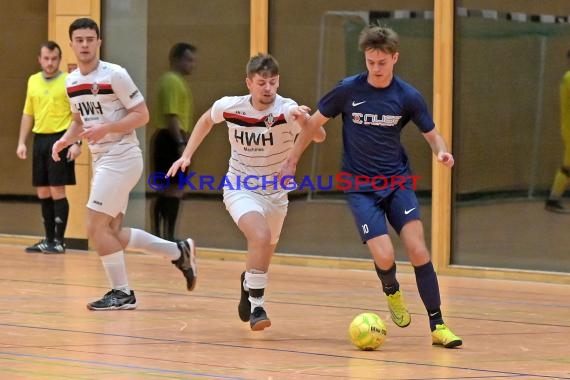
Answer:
[(116, 270), (158, 216), (435, 318), (170, 212), (48, 218), (256, 281), (428, 287), (143, 241), (388, 279), (61, 213)]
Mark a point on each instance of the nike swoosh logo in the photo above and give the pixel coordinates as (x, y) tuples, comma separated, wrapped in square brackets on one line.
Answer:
[(406, 212), (354, 104), (395, 317), (433, 315)]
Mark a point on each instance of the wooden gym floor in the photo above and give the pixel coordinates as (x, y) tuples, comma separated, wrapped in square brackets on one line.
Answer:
[(517, 234), (510, 329)]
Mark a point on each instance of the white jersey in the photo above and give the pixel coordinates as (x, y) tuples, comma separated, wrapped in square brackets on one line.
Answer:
[(102, 96), (260, 140)]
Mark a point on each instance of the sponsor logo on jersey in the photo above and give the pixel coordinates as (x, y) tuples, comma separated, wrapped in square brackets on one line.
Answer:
[(269, 120), (375, 120), (89, 108), (252, 138)]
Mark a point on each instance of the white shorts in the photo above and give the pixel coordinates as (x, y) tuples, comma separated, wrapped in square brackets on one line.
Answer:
[(274, 209), (113, 180)]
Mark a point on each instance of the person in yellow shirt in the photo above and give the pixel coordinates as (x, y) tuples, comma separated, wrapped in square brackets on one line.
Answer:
[(554, 201), (175, 115), (47, 116)]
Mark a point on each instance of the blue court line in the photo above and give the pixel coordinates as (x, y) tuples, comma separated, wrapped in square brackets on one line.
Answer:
[(115, 365), (327, 355)]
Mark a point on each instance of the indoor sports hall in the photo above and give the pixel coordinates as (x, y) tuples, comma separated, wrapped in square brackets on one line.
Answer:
[(490, 72)]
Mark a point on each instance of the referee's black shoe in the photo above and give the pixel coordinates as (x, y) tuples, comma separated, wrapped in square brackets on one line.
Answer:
[(55, 247), (36, 248)]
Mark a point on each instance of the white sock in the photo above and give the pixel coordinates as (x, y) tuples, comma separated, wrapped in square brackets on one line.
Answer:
[(116, 270), (256, 302), (256, 280), (143, 241)]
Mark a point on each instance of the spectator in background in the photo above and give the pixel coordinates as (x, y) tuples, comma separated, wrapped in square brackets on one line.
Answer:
[(176, 118), (561, 178)]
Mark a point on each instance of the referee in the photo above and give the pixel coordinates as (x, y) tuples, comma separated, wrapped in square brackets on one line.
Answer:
[(47, 115)]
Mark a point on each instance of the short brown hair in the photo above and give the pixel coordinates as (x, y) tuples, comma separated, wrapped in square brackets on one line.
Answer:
[(84, 23), (379, 37), (262, 64), (51, 46)]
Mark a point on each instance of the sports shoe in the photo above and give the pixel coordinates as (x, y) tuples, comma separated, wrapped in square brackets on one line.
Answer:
[(53, 248), (244, 307), (443, 336), (36, 248), (398, 310), (115, 300), (258, 320), (187, 262), (555, 205)]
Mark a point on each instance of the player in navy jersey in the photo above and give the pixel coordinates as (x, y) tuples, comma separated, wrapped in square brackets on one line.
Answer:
[(375, 106), (261, 130)]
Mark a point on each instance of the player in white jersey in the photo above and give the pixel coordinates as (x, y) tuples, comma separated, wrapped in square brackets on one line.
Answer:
[(261, 130), (260, 140), (103, 96), (106, 108)]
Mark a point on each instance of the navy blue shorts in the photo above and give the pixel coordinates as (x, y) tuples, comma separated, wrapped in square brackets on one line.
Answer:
[(371, 209)]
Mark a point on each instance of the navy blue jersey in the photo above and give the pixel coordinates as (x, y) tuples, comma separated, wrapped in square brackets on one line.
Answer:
[(373, 119)]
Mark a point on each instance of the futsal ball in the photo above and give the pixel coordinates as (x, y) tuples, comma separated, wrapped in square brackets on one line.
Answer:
[(367, 331)]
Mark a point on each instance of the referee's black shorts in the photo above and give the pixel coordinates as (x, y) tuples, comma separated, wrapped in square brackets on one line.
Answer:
[(47, 172), (165, 152)]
